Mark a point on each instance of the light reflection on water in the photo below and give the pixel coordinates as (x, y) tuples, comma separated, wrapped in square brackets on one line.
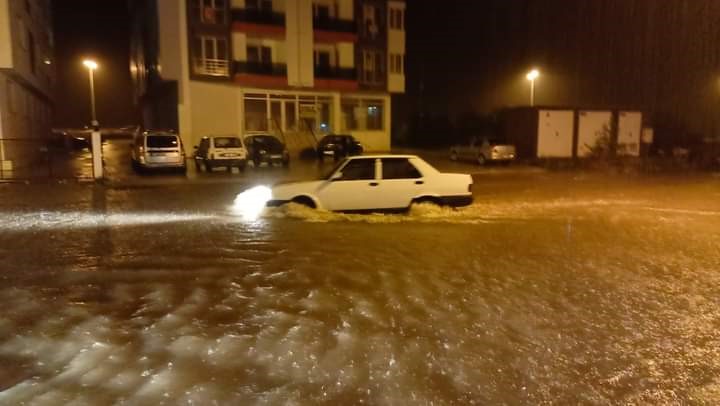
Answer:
[(558, 301)]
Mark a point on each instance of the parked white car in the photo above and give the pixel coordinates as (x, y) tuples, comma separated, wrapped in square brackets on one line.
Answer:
[(483, 150), (378, 182), (225, 151)]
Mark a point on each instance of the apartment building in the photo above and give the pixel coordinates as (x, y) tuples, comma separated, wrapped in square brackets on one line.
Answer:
[(26, 79), (295, 68)]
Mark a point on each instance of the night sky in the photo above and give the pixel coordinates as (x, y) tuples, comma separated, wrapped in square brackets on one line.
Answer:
[(97, 29)]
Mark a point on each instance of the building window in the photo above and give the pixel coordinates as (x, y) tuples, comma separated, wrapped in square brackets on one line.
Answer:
[(210, 11), (211, 56), (397, 19), (322, 11), (256, 115), (396, 64), (362, 114), (259, 54), (371, 21), (323, 59), (373, 67), (263, 5)]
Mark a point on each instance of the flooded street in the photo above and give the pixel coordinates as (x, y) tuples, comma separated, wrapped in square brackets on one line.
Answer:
[(551, 288)]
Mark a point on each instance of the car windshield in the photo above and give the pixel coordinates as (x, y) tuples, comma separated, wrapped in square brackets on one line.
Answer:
[(162, 141), (227, 142), (335, 168), (266, 141)]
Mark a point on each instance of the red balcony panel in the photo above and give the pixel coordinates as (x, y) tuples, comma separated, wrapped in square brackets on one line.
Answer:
[(264, 30), (249, 79), (336, 84), (334, 36)]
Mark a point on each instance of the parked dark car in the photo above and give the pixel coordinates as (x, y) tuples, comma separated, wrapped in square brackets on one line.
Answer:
[(266, 148), (338, 146)]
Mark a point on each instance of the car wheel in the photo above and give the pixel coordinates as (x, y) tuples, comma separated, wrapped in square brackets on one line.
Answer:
[(136, 167), (305, 201), (481, 160), (428, 200), (453, 155)]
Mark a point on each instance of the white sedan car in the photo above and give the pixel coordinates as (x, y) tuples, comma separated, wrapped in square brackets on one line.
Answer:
[(378, 182)]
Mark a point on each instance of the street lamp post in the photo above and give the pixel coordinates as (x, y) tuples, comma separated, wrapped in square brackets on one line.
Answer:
[(91, 66), (531, 76), (96, 138)]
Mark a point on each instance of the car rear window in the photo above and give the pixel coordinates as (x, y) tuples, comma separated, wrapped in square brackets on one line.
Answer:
[(227, 142), (162, 141), (399, 168)]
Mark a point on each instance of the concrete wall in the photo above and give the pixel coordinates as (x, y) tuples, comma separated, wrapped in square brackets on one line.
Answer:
[(396, 46), (5, 49), (346, 54), (214, 111), (299, 42)]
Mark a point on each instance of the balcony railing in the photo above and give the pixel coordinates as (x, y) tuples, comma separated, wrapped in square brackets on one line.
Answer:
[(260, 68), (334, 72), (211, 67), (245, 15), (334, 24)]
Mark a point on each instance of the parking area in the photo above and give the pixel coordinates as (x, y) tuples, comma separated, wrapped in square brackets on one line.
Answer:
[(118, 170)]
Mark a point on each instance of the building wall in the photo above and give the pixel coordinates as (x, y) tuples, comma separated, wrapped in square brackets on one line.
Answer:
[(26, 79), (396, 46), (215, 105)]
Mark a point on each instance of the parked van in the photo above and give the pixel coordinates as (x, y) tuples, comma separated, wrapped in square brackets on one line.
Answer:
[(158, 150)]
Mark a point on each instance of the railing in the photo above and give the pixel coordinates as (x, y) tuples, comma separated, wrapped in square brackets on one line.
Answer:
[(245, 15), (212, 67), (260, 68), (334, 24), (334, 72)]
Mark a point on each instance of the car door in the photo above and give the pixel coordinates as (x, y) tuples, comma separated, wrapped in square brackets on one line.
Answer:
[(353, 187), (401, 182)]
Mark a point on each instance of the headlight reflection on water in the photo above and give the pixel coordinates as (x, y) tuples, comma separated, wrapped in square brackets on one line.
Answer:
[(250, 203)]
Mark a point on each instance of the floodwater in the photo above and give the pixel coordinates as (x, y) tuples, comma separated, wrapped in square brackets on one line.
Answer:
[(551, 289)]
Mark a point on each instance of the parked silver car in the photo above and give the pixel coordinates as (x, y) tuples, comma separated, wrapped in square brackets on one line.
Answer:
[(483, 150), (157, 150)]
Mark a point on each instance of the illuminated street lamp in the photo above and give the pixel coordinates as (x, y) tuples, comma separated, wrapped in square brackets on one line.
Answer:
[(531, 76), (92, 66), (95, 137)]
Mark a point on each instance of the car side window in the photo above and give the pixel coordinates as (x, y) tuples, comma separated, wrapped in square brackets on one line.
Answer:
[(399, 168), (359, 169)]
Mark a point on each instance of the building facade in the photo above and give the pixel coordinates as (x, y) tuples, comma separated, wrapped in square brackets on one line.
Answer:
[(26, 79), (295, 68)]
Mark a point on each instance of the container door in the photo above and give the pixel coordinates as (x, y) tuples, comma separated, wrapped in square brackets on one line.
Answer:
[(594, 132), (629, 130), (555, 133)]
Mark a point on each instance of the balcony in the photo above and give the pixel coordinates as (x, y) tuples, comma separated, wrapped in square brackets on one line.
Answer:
[(334, 24), (260, 68), (211, 67), (334, 72), (252, 16)]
